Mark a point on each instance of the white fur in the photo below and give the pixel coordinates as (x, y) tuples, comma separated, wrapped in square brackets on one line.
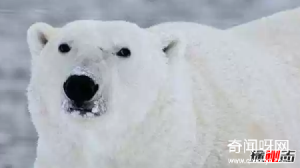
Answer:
[(278, 34), (165, 110)]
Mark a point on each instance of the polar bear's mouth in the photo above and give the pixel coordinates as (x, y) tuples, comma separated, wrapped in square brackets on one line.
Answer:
[(88, 110)]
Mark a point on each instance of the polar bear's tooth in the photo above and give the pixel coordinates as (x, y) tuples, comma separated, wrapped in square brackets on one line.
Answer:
[(95, 109), (76, 113)]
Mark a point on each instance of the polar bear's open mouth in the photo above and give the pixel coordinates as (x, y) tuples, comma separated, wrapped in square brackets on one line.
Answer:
[(89, 110)]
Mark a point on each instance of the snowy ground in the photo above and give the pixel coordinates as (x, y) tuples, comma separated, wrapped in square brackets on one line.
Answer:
[(17, 136)]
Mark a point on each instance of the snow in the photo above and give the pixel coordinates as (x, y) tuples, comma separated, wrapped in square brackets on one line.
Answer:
[(17, 135)]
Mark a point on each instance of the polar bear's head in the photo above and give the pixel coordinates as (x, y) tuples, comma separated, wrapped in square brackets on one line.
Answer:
[(110, 72)]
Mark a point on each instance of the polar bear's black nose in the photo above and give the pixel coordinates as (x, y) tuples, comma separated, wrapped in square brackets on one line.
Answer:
[(80, 88)]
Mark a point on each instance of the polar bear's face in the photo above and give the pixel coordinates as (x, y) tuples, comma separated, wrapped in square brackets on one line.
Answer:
[(109, 71)]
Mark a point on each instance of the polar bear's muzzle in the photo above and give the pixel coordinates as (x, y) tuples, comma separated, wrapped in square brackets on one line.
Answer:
[(82, 97)]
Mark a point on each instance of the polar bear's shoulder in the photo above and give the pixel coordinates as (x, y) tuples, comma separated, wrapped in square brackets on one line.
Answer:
[(279, 27), (182, 26), (190, 31), (279, 34)]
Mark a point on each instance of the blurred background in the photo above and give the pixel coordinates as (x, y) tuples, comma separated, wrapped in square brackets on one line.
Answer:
[(17, 135)]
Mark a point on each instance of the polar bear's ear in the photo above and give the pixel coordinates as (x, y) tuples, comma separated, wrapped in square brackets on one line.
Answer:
[(38, 36), (173, 45)]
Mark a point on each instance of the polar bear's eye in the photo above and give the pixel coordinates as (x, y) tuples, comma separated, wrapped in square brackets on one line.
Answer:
[(64, 48), (123, 52)]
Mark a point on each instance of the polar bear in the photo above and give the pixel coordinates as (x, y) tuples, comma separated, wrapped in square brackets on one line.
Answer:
[(109, 94)]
